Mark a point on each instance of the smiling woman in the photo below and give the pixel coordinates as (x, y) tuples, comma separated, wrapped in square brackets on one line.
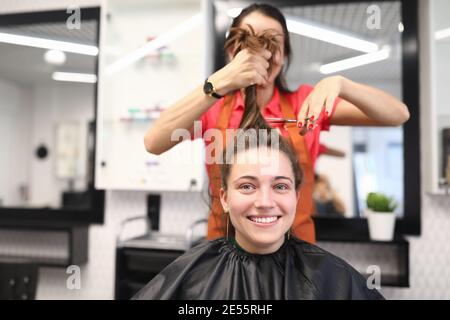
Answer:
[(263, 261), (260, 193)]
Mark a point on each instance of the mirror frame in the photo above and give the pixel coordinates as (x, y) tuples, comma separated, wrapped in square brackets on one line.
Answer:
[(47, 216), (357, 228)]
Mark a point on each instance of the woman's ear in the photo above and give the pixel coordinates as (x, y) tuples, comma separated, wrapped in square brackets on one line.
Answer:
[(223, 199), (278, 59)]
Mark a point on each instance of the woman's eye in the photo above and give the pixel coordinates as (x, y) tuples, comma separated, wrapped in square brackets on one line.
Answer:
[(282, 186), (246, 187)]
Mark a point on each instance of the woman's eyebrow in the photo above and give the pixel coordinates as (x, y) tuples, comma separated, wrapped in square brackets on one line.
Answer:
[(283, 177), (254, 178), (274, 31), (246, 177)]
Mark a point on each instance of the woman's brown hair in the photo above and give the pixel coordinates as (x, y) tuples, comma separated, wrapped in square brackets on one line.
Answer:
[(239, 39), (272, 140), (274, 13)]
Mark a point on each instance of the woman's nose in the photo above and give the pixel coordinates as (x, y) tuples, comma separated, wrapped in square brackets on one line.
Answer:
[(264, 198)]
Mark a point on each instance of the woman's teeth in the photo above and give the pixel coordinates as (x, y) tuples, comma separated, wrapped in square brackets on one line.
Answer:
[(264, 219)]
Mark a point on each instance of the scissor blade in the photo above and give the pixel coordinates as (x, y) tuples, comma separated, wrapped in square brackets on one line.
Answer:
[(281, 120)]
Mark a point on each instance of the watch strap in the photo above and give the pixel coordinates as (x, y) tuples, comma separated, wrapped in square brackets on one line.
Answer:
[(212, 92)]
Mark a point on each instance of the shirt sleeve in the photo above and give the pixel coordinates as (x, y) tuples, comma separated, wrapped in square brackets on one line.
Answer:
[(322, 149)]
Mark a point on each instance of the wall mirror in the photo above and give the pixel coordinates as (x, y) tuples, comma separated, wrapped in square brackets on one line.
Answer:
[(48, 84), (358, 160)]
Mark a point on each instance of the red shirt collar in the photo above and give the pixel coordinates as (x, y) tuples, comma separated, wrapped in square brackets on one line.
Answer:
[(272, 108)]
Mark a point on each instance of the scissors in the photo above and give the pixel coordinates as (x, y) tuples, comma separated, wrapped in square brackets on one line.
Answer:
[(280, 120), (283, 120)]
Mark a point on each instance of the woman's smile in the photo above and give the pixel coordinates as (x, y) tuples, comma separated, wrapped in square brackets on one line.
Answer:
[(264, 221)]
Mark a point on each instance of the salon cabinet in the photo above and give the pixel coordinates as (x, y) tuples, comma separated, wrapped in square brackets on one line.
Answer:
[(435, 96), (44, 244), (152, 54), (389, 259), (27, 247)]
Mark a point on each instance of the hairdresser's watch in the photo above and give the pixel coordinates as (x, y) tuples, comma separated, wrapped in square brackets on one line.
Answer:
[(208, 89)]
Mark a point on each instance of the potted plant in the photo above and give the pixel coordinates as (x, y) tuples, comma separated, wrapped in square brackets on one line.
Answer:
[(381, 217)]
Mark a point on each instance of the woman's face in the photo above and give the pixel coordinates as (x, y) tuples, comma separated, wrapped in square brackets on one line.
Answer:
[(261, 199), (261, 23)]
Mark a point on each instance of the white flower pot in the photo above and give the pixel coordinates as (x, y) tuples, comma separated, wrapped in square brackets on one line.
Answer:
[(381, 225)]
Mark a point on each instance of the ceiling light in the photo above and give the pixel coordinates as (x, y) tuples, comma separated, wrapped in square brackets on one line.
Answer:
[(354, 62), (48, 44), (442, 34), (55, 57), (234, 12), (74, 77), (401, 27), (315, 31)]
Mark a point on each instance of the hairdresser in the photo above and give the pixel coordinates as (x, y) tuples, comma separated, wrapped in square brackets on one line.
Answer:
[(219, 103)]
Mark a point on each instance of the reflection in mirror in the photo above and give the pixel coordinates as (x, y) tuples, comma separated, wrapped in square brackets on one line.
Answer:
[(46, 114), (352, 161), (441, 54)]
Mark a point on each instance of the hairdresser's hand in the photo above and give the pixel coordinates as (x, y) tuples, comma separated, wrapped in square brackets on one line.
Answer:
[(247, 68), (321, 99)]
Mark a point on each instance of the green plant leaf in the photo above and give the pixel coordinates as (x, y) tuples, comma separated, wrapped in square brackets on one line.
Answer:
[(379, 202)]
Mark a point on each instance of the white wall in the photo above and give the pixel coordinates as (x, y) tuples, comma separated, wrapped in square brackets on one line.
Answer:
[(54, 104), (15, 107), (440, 21), (29, 117)]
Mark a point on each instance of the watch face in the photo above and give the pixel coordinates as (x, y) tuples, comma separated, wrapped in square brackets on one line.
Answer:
[(208, 87)]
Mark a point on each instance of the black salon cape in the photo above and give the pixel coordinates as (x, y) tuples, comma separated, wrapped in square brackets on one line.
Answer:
[(219, 270)]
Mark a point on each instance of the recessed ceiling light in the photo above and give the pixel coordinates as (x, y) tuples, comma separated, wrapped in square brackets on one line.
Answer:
[(354, 62), (48, 44), (315, 31), (55, 57), (442, 34), (234, 12), (74, 77)]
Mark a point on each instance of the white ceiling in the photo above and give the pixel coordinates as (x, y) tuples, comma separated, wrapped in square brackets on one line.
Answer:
[(13, 6), (26, 65), (350, 18)]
